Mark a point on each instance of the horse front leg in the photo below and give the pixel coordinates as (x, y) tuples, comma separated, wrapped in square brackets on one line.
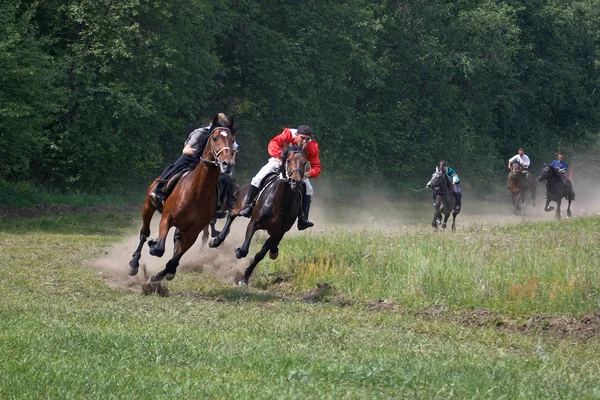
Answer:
[(242, 251), (147, 213), (157, 246), (205, 235), (186, 241), (569, 208), (268, 245), (547, 207), (454, 221), (177, 236), (557, 213), (445, 223)]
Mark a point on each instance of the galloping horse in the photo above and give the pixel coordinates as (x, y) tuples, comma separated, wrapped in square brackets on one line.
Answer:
[(445, 201), (191, 205), (518, 185), (275, 211), (556, 189)]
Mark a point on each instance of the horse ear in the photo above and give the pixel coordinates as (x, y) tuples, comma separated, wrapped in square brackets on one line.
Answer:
[(214, 122)]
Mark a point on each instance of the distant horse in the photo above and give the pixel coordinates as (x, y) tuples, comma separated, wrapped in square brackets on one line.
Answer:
[(276, 209), (557, 187), (191, 205), (445, 201), (518, 185)]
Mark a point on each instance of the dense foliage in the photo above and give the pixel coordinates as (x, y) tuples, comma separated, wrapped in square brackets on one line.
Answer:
[(100, 94)]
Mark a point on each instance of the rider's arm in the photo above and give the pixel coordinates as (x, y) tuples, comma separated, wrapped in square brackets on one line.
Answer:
[(278, 142), (188, 150), (312, 156)]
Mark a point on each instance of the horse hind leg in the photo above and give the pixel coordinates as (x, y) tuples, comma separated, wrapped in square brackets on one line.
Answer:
[(569, 208)]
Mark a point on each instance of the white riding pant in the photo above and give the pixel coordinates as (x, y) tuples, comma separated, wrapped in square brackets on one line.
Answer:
[(272, 166)]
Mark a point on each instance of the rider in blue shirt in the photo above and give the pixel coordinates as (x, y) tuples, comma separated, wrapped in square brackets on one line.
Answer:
[(560, 165)]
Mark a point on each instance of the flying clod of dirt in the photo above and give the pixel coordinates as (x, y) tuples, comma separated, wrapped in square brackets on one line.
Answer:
[(158, 288)]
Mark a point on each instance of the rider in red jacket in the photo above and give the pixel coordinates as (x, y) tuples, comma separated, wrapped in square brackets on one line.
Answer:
[(303, 138)]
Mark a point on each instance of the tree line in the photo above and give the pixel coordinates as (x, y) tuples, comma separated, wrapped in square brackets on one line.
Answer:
[(100, 94)]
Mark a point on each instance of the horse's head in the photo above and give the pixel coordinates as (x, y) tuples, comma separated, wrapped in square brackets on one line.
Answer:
[(220, 144), (515, 168), (436, 179), (547, 172), (294, 166)]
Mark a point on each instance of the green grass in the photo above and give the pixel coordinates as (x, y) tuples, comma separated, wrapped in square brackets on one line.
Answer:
[(24, 194), (64, 333)]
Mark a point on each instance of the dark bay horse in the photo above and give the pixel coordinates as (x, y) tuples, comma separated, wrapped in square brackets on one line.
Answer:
[(276, 209), (191, 205), (519, 184), (557, 187), (445, 201)]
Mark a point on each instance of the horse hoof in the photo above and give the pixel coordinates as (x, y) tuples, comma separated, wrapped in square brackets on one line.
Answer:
[(214, 243), (156, 253), (273, 255), (169, 276), (239, 253), (133, 271), (243, 282), (155, 278)]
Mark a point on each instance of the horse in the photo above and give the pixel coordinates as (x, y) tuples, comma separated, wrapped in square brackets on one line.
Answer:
[(276, 209), (191, 205), (557, 187), (518, 185), (445, 200)]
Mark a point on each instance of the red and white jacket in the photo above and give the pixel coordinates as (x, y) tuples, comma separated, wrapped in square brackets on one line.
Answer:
[(311, 150)]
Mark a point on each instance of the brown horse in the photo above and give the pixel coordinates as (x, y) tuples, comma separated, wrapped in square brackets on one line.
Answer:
[(191, 205), (520, 183), (276, 209)]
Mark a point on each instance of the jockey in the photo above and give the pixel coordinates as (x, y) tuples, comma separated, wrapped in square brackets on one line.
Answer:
[(560, 165), (522, 159), (451, 173), (303, 138), (189, 159)]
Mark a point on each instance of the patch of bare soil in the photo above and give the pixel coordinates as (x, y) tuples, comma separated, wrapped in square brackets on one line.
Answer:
[(45, 210), (584, 327)]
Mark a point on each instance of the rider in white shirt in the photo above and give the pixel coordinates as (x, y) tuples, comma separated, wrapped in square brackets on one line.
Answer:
[(523, 160)]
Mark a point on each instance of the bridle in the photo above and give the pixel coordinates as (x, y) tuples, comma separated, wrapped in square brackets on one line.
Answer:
[(288, 176), (223, 131)]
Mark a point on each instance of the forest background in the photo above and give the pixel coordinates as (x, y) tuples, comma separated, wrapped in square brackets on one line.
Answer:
[(99, 95)]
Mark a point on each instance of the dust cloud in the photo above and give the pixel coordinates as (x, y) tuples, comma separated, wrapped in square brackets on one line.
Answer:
[(363, 208), (220, 262)]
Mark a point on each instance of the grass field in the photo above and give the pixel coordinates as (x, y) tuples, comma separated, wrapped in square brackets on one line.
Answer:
[(497, 310)]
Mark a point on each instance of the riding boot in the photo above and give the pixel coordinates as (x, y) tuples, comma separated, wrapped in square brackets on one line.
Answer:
[(247, 210), (157, 196), (303, 221)]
